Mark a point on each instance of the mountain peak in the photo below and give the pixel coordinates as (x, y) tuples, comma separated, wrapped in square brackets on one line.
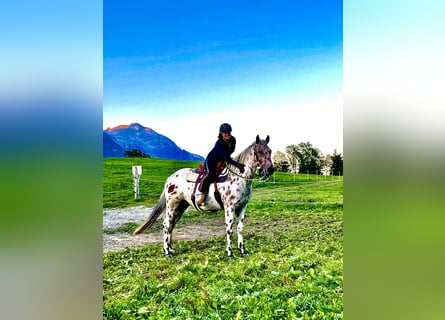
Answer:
[(122, 126), (135, 126)]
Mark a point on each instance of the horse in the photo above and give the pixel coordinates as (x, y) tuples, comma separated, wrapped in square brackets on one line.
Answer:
[(235, 192)]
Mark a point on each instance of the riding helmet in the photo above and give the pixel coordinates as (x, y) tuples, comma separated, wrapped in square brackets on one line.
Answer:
[(225, 128)]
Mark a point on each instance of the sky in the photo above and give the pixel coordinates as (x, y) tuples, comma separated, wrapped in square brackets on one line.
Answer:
[(267, 68)]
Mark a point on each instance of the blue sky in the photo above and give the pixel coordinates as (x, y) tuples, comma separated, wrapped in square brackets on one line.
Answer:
[(268, 68)]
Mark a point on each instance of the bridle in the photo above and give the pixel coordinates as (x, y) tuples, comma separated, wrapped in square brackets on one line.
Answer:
[(256, 158)]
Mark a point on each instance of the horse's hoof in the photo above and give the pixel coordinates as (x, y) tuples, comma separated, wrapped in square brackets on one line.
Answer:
[(169, 255), (245, 254), (230, 257)]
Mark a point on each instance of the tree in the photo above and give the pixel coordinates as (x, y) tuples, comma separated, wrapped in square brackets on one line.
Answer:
[(135, 153), (337, 163), (326, 168), (309, 158), (280, 162), (292, 158)]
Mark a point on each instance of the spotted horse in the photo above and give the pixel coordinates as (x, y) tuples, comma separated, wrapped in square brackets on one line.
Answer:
[(235, 192)]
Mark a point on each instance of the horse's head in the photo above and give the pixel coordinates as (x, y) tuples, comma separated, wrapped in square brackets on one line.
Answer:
[(263, 157)]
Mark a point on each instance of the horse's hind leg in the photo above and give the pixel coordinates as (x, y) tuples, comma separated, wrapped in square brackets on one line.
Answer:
[(168, 229), (240, 230), (172, 215), (169, 224)]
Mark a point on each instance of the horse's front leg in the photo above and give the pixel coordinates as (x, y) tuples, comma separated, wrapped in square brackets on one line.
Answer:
[(229, 213), (239, 230)]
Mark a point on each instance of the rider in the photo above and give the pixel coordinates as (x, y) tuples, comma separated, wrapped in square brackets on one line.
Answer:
[(224, 147)]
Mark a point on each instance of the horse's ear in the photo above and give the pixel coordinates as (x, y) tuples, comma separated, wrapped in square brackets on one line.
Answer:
[(257, 139), (267, 139)]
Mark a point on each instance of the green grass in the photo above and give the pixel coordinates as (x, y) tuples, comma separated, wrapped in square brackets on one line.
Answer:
[(294, 235), (118, 188)]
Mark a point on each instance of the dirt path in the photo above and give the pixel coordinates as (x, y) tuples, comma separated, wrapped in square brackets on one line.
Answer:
[(114, 218), (204, 229)]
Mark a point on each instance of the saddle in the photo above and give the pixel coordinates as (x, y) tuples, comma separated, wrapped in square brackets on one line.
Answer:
[(198, 174)]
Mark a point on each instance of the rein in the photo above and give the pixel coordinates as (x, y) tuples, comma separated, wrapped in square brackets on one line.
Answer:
[(229, 167)]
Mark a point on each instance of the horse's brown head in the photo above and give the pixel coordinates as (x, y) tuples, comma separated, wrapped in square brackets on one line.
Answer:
[(263, 157)]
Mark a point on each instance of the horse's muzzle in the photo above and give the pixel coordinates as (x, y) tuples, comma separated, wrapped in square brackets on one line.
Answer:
[(265, 173)]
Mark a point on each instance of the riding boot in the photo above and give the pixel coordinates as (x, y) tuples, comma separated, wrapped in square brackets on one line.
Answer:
[(201, 200)]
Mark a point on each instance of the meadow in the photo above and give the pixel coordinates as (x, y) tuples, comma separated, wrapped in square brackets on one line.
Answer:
[(293, 232)]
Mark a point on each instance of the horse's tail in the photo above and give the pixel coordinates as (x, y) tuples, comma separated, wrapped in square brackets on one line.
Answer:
[(155, 213)]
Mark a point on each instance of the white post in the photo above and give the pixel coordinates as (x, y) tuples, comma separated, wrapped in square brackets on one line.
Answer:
[(137, 171)]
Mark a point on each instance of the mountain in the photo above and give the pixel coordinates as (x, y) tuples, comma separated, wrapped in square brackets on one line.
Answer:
[(110, 148), (135, 136)]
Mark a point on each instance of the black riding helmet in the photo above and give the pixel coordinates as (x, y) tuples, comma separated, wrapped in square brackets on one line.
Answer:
[(225, 128)]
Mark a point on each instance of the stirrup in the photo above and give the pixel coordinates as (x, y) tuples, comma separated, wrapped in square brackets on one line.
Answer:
[(202, 199)]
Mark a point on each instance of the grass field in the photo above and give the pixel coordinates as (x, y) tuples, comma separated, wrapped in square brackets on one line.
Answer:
[(293, 232)]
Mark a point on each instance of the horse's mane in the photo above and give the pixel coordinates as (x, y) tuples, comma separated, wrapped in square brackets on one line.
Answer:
[(244, 154)]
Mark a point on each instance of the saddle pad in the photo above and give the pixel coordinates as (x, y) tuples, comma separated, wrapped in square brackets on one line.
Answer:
[(192, 176)]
